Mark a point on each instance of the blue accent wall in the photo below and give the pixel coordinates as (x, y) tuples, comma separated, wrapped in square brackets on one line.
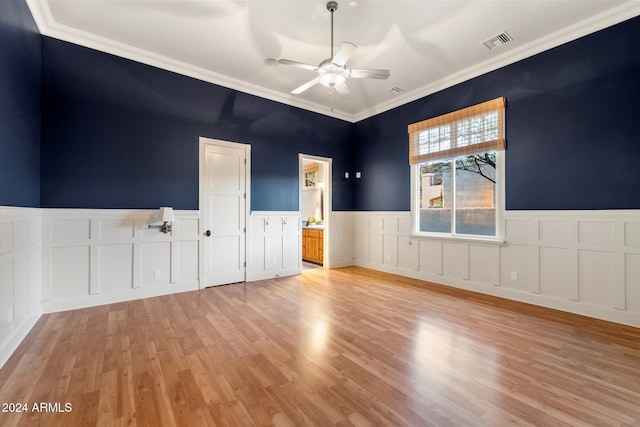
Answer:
[(572, 128), (20, 53), (84, 129), (121, 134)]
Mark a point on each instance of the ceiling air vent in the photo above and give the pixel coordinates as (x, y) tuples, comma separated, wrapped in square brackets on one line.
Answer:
[(394, 89), (498, 40)]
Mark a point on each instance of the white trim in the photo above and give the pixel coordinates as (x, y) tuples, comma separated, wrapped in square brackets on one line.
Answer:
[(544, 249), (501, 196), (566, 214), (274, 213), (85, 301), (203, 141), (622, 306), (583, 28), (48, 27), (342, 239), (270, 250), (86, 230), (457, 238), (20, 254), (593, 311), (500, 203), (10, 346), (8, 213)]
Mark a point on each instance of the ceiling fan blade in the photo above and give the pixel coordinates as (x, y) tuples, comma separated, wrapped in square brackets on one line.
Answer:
[(369, 74), (342, 89), (297, 64), (343, 54), (305, 86)]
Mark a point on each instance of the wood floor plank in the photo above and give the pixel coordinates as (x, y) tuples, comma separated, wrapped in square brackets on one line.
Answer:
[(345, 347)]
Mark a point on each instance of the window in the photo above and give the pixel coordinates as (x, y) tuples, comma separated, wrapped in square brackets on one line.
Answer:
[(310, 174), (456, 161)]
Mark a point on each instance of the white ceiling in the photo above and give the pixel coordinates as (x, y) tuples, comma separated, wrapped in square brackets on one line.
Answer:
[(427, 45)]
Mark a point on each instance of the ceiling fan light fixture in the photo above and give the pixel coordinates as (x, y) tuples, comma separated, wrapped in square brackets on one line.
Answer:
[(332, 79), (332, 72)]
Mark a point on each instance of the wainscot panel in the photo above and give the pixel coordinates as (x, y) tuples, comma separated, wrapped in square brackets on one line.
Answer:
[(341, 239), (19, 276), (584, 262), (101, 256), (273, 245)]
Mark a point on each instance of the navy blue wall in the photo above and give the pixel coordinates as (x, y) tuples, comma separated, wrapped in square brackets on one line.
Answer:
[(120, 134), (20, 47), (572, 128)]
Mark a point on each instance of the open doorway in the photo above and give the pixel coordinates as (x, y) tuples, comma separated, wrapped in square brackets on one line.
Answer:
[(315, 207)]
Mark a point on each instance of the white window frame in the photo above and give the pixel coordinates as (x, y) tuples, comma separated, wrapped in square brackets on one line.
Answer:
[(500, 203)]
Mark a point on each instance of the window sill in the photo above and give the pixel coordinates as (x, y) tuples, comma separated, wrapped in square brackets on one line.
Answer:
[(462, 239)]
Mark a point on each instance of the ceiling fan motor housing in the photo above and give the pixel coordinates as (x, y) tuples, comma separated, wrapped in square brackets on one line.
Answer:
[(332, 72)]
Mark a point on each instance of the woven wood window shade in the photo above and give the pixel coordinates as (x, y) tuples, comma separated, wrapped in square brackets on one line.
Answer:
[(472, 130)]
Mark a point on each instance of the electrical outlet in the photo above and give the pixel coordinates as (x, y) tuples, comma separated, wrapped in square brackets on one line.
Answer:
[(514, 275), (157, 275)]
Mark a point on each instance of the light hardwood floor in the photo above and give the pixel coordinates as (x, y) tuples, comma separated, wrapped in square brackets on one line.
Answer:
[(328, 347)]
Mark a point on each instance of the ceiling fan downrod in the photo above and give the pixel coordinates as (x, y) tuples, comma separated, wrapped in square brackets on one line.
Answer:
[(332, 72), (332, 6)]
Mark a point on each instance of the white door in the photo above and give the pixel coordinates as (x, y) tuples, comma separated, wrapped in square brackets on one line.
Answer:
[(223, 212)]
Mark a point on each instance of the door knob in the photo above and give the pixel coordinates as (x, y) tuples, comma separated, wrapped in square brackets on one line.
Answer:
[(207, 233)]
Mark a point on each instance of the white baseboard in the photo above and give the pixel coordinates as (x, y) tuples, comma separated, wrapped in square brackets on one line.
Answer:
[(20, 272), (18, 336), (116, 297), (342, 263), (596, 312), (582, 262), (263, 275)]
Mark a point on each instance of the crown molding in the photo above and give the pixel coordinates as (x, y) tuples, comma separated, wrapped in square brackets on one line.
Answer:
[(48, 27), (588, 26)]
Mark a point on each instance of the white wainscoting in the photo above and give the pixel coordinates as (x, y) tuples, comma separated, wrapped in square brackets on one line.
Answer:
[(273, 245), (19, 276), (584, 262), (341, 239), (100, 256)]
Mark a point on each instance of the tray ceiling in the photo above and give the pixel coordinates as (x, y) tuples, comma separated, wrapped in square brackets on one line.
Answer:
[(427, 45)]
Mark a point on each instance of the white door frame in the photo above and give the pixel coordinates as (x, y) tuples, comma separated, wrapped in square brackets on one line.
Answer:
[(201, 199), (328, 203)]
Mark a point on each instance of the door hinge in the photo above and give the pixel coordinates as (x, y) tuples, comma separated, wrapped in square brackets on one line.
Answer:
[(245, 161), (244, 195), (244, 229), (245, 263)]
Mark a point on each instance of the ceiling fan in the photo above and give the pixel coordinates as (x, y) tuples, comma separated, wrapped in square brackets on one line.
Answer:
[(332, 72)]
